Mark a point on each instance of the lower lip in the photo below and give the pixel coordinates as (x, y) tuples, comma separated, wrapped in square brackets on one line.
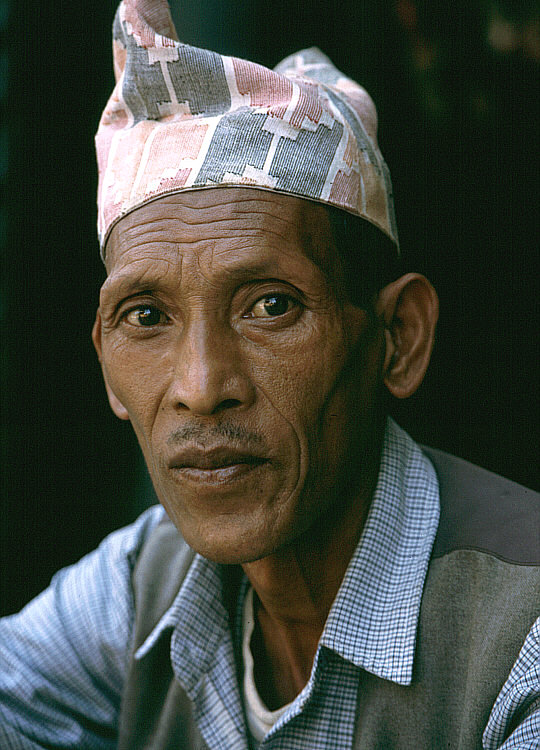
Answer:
[(220, 475)]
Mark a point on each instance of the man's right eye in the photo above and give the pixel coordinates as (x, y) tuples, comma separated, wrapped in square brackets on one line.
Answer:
[(145, 316)]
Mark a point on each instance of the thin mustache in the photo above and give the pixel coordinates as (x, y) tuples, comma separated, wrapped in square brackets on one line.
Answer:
[(205, 435)]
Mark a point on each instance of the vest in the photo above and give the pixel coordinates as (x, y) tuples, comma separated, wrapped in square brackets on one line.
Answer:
[(481, 597)]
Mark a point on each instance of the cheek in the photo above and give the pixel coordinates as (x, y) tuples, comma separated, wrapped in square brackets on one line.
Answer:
[(351, 414), (138, 380), (297, 381), (336, 402)]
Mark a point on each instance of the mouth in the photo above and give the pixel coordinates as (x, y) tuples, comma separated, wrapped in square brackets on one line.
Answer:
[(215, 466)]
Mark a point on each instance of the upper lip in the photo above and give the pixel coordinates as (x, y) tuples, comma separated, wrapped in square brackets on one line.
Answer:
[(211, 458)]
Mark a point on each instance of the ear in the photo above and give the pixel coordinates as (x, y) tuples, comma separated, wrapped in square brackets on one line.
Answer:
[(409, 308), (117, 407)]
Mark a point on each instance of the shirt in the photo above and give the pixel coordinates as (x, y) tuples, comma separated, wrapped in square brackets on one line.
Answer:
[(63, 658), (259, 718)]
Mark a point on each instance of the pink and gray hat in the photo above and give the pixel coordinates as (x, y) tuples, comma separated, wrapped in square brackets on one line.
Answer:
[(182, 118)]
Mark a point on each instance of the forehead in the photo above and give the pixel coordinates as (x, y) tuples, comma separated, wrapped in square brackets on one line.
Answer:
[(227, 226)]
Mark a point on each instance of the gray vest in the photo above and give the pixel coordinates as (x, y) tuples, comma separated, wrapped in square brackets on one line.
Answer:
[(481, 597)]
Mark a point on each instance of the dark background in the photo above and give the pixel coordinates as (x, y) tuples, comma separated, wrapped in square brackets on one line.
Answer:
[(457, 93)]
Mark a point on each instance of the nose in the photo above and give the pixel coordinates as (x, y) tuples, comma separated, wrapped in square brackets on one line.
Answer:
[(209, 375)]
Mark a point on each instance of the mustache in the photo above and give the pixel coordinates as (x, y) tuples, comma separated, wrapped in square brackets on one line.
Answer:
[(207, 435)]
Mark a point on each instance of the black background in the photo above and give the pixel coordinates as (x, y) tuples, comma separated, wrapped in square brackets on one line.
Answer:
[(466, 185)]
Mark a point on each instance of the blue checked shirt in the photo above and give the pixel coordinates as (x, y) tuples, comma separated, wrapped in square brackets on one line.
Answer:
[(63, 659)]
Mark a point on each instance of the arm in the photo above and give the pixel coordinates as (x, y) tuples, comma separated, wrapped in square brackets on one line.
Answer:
[(63, 657)]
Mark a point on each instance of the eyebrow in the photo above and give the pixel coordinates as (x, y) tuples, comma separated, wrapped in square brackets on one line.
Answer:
[(130, 284)]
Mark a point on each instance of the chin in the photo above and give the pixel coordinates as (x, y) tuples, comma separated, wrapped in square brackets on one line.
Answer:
[(231, 552), (233, 522), (230, 541)]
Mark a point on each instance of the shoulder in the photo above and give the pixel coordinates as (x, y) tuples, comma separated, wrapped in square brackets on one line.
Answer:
[(64, 656), (485, 512), (480, 602), (88, 606)]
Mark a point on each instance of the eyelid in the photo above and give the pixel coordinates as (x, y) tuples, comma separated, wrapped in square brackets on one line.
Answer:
[(117, 303), (138, 309), (265, 287), (295, 305), (137, 299), (124, 311)]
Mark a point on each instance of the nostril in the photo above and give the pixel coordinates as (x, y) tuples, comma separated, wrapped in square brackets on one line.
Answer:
[(228, 403)]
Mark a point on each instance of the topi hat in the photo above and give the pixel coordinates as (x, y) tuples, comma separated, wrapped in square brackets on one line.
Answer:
[(182, 118)]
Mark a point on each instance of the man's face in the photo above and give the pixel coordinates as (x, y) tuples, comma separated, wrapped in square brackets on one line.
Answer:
[(249, 380)]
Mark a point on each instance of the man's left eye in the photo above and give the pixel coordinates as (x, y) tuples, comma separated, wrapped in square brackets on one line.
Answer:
[(272, 306)]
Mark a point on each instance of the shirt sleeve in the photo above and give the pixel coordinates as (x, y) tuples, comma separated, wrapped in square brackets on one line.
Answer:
[(63, 658), (514, 723)]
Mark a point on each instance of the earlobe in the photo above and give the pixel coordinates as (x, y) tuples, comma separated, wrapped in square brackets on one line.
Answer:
[(117, 407), (410, 309), (96, 334)]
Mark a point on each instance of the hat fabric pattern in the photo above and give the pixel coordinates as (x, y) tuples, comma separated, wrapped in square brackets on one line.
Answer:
[(183, 118)]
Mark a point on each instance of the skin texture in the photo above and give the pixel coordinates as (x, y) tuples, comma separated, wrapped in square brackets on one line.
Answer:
[(254, 389)]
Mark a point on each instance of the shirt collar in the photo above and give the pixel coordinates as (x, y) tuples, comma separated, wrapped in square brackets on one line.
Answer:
[(374, 618)]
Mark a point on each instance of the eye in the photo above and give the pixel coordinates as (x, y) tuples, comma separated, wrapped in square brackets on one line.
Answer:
[(272, 306), (145, 316)]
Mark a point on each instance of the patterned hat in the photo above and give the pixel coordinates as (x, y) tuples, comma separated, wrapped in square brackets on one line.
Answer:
[(182, 118)]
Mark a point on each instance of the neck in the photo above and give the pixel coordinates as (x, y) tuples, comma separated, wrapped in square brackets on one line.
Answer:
[(295, 588)]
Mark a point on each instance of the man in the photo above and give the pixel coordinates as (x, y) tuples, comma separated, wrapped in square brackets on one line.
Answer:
[(317, 580)]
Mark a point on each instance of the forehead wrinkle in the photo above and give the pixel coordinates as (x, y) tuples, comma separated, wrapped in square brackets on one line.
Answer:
[(287, 227), (267, 216), (152, 249), (219, 211), (306, 228), (140, 273), (156, 235), (242, 260)]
